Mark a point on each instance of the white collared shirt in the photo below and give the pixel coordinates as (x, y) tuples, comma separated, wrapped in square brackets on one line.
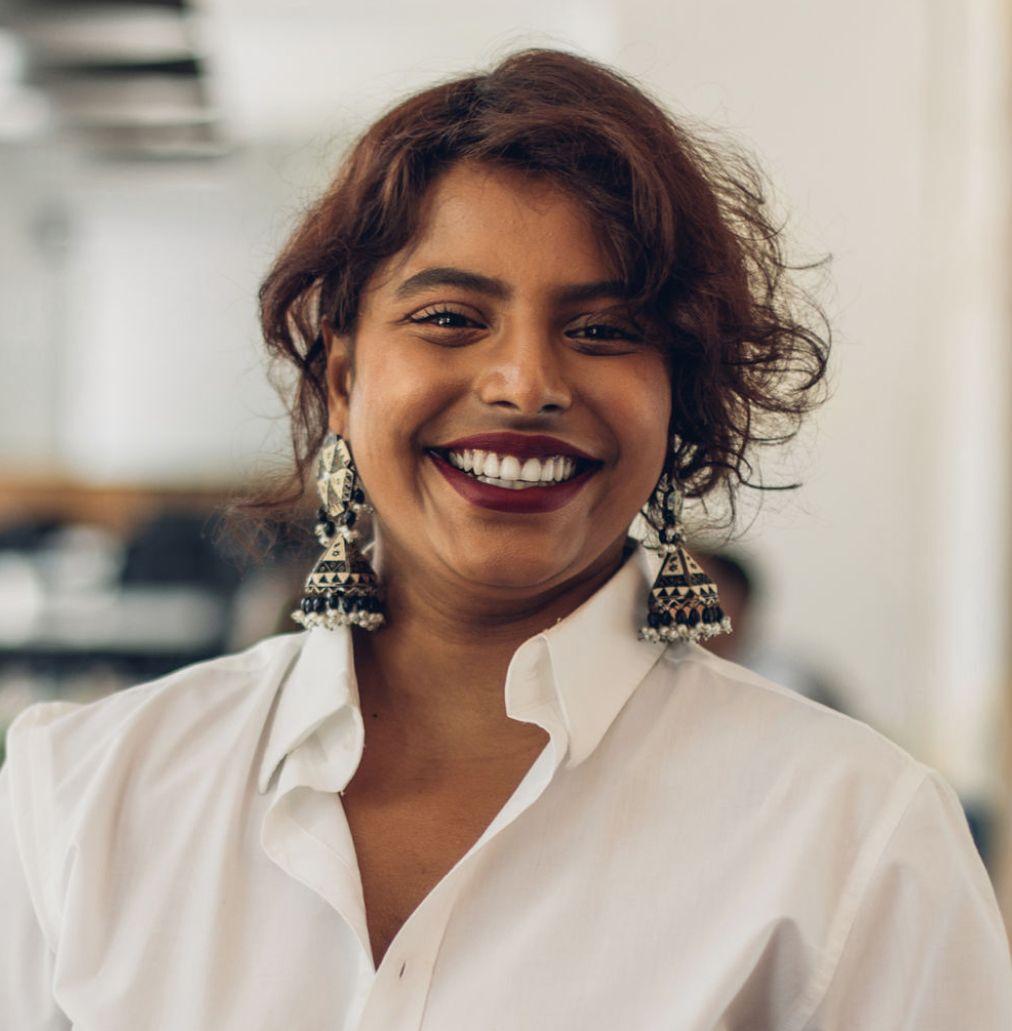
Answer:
[(695, 849)]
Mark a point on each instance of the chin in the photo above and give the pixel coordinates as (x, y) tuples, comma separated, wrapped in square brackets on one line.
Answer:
[(506, 568)]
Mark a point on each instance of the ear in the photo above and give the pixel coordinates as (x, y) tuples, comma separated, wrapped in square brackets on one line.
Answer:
[(338, 349)]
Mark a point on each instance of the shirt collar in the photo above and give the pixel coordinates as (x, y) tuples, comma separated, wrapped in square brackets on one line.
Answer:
[(319, 684), (584, 667), (597, 659)]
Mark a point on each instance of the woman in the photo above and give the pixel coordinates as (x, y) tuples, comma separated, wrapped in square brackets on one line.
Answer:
[(498, 783)]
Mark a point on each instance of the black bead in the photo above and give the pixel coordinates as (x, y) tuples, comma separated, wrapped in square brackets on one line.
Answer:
[(319, 603), (707, 615), (349, 518), (321, 515), (720, 614), (358, 495), (653, 619), (329, 528), (693, 617), (680, 618), (333, 602), (669, 517), (666, 618), (307, 604)]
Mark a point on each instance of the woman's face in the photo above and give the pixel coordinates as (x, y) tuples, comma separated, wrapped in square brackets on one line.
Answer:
[(498, 319)]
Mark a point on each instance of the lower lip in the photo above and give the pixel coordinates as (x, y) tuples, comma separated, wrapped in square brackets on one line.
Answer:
[(502, 499)]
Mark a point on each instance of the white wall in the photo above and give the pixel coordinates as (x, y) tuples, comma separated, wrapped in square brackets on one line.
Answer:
[(128, 336), (162, 374), (32, 232)]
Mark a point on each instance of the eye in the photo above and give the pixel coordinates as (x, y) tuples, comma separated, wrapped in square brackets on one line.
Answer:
[(604, 331), (443, 318), (605, 338)]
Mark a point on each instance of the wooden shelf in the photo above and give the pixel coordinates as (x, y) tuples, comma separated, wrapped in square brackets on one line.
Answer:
[(117, 507)]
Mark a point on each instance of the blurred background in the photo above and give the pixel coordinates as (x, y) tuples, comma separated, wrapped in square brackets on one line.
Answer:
[(153, 156)]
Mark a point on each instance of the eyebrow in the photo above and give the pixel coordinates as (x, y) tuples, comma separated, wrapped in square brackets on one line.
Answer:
[(446, 275)]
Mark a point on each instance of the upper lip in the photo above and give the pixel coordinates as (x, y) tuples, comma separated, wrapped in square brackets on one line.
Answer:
[(520, 445)]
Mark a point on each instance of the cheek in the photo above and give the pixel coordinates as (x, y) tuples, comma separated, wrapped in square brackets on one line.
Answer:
[(394, 397), (640, 406)]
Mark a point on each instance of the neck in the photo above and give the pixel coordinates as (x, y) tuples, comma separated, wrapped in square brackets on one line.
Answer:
[(439, 665)]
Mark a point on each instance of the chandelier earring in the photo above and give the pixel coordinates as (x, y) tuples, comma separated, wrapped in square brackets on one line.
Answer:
[(683, 602), (342, 589)]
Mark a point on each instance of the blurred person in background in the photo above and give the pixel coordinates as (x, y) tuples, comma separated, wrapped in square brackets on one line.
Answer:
[(497, 780), (741, 597)]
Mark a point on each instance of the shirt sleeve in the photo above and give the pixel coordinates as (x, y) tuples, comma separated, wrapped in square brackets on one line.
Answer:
[(26, 957), (927, 948)]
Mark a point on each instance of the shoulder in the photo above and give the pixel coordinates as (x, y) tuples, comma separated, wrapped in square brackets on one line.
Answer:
[(75, 769), (810, 831), (196, 704), (789, 766), (765, 717), (864, 850)]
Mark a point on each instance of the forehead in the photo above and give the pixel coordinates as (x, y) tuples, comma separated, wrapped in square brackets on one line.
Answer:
[(503, 223)]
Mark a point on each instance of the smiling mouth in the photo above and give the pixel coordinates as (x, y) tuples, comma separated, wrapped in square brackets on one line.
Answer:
[(517, 492), (510, 472)]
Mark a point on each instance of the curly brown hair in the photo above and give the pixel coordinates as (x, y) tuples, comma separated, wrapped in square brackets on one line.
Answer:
[(683, 220)]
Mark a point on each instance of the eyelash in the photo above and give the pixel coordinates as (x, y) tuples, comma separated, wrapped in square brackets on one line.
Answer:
[(427, 317)]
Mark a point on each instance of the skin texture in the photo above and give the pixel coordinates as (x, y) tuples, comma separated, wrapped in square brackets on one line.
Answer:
[(466, 586)]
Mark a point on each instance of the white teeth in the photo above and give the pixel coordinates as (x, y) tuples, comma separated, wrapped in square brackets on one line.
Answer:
[(530, 471), (509, 471), (507, 484)]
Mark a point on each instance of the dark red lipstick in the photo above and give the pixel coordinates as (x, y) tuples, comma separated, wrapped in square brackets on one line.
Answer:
[(528, 499)]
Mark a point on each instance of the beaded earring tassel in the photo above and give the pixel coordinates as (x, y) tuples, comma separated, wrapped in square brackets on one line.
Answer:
[(342, 588), (683, 602)]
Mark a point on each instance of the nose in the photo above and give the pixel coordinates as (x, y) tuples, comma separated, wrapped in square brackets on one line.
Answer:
[(525, 374)]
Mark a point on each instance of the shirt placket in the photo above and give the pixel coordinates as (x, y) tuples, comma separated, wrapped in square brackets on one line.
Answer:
[(400, 991), (397, 997), (308, 836), (305, 833)]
